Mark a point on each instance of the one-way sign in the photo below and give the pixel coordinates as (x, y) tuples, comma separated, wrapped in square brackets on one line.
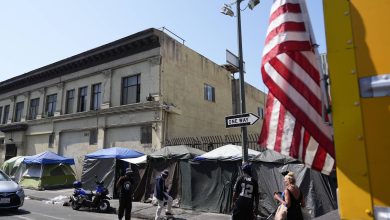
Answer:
[(240, 120)]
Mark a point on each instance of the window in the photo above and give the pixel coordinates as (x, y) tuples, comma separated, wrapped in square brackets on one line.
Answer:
[(18, 111), (131, 89), (260, 112), (5, 116), (93, 136), (82, 102), (209, 93), (34, 105), (51, 102), (146, 135), (69, 101), (96, 96), (1, 114), (51, 140)]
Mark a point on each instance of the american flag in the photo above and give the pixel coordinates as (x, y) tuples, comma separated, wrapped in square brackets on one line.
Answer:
[(293, 122)]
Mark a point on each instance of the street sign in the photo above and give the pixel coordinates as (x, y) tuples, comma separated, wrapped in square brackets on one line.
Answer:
[(232, 59), (240, 120)]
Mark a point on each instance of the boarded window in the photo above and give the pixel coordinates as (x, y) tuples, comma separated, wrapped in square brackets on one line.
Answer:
[(51, 140), (146, 134), (93, 136)]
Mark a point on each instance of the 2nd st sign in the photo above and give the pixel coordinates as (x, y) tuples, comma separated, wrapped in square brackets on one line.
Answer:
[(240, 120)]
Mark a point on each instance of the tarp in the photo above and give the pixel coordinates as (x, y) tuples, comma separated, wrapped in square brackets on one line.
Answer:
[(172, 158), (214, 180), (47, 157), (226, 153), (106, 165), (47, 176), (14, 167), (137, 160), (114, 152)]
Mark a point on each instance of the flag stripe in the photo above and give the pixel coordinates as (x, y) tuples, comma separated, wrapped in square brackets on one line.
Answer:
[(298, 85), (319, 159), (288, 7), (306, 65), (266, 125), (279, 132), (284, 47), (289, 123), (274, 119), (296, 141), (296, 18), (297, 112), (279, 3), (285, 27)]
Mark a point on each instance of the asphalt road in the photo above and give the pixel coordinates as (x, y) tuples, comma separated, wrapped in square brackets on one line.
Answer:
[(40, 210)]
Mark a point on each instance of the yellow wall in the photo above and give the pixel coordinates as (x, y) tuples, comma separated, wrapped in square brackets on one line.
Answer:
[(357, 40)]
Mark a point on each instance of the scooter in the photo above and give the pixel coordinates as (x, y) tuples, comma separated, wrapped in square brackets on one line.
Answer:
[(97, 200)]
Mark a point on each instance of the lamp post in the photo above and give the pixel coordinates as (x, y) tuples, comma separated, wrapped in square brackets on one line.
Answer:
[(227, 11)]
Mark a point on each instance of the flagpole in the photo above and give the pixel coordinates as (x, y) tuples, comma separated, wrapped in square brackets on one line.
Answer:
[(244, 135)]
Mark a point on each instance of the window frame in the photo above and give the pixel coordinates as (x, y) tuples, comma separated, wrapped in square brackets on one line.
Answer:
[(36, 107), (209, 92), (146, 134), (69, 107), (1, 114), (18, 113), (82, 99), (6, 114), (125, 89), (96, 96), (93, 136), (53, 105)]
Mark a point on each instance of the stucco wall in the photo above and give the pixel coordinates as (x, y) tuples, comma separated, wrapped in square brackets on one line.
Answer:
[(37, 144)]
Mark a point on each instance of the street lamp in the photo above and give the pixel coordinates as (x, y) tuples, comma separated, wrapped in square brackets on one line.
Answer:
[(227, 10)]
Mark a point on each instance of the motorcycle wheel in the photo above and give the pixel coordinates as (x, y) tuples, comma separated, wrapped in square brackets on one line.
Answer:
[(104, 206), (74, 205)]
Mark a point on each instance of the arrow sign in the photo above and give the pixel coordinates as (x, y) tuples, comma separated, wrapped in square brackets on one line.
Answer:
[(240, 120)]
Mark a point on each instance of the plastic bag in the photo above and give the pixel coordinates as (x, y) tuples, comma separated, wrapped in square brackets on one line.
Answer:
[(281, 212)]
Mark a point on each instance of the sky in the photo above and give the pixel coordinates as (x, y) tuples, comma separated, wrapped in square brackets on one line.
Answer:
[(40, 32)]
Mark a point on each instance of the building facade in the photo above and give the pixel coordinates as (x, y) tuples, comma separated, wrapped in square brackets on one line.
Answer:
[(134, 92)]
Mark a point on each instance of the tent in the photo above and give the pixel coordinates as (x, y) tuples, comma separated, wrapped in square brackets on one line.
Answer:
[(213, 175), (106, 165), (319, 190), (176, 160), (14, 167), (47, 170)]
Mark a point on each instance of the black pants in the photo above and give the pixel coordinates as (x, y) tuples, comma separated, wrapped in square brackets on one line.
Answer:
[(124, 208)]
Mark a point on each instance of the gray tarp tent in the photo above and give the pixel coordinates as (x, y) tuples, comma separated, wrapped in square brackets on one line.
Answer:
[(174, 159), (319, 189), (214, 180), (107, 166)]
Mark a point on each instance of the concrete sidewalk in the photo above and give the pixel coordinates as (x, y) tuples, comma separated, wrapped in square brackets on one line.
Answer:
[(139, 210)]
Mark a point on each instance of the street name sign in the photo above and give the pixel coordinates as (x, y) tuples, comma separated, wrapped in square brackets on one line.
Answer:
[(240, 120)]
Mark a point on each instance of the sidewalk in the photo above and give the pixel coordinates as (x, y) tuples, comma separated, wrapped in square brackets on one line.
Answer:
[(139, 210)]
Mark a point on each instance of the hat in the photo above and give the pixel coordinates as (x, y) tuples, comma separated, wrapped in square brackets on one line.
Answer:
[(247, 168), (128, 170)]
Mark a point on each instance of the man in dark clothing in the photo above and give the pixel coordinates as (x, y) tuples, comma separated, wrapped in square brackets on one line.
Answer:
[(246, 192), (161, 195), (125, 187)]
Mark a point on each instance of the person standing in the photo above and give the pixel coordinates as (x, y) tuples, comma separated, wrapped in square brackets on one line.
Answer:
[(245, 195), (293, 198), (125, 187), (161, 195)]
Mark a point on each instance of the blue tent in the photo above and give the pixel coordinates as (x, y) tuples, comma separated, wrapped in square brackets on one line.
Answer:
[(48, 157), (114, 152)]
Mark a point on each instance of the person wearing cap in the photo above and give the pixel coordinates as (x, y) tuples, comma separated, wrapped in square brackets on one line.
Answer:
[(161, 195), (125, 187), (245, 195)]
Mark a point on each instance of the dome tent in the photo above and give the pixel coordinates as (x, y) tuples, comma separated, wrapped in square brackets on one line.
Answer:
[(47, 170), (14, 167), (107, 165)]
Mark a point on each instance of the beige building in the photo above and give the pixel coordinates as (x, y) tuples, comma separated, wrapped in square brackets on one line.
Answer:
[(134, 92)]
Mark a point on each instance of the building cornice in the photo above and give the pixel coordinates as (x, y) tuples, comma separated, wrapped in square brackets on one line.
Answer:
[(133, 44)]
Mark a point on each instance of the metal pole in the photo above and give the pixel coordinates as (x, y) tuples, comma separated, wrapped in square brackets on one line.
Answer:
[(244, 134)]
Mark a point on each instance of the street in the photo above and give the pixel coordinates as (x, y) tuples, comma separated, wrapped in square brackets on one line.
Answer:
[(40, 210)]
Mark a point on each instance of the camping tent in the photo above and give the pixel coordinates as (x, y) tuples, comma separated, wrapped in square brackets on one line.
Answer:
[(14, 167), (319, 190), (213, 176), (175, 160), (106, 165), (47, 170)]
